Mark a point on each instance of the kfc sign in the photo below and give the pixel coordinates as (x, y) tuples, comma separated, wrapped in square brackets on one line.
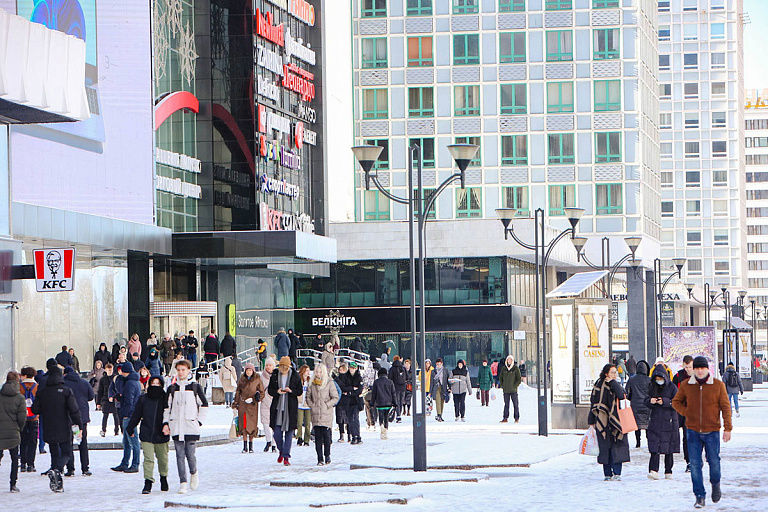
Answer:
[(55, 270), (274, 220), (266, 29)]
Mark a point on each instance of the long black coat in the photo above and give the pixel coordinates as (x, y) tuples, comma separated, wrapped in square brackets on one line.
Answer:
[(58, 410), (149, 413), (663, 428), (619, 448), (351, 387), (637, 390), (228, 346), (297, 389)]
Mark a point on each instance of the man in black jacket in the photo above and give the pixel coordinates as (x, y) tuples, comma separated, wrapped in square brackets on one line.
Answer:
[(211, 348), (191, 344), (228, 346), (64, 358), (154, 443), (83, 394), (399, 377), (351, 385), (58, 410), (293, 349), (383, 399)]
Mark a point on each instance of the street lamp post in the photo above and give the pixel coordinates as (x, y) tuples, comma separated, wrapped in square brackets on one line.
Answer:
[(542, 251), (753, 302), (462, 154), (679, 265), (633, 242), (706, 303)]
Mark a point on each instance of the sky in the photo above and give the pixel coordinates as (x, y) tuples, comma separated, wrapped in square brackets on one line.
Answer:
[(755, 44)]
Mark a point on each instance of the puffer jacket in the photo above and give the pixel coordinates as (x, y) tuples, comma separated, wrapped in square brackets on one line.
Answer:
[(154, 364), (637, 390), (13, 415), (321, 400), (663, 428), (187, 410), (484, 377), (149, 414), (460, 382)]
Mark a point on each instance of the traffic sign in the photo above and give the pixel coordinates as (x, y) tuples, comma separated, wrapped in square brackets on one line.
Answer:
[(55, 270)]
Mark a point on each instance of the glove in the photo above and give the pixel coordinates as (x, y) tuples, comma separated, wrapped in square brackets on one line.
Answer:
[(249, 400), (257, 396)]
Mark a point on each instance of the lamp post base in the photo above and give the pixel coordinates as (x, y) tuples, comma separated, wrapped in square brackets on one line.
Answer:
[(543, 416)]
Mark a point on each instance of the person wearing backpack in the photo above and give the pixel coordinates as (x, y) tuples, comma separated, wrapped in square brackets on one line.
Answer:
[(29, 433), (399, 377), (383, 399), (733, 386)]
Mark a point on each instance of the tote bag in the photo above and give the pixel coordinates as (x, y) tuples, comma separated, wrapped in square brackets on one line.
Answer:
[(626, 416)]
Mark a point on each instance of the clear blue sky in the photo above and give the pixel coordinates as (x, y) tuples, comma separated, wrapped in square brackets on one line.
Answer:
[(756, 45)]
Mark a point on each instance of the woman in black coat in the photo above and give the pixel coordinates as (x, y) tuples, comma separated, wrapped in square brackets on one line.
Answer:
[(637, 390), (284, 401), (663, 428), (603, 415)]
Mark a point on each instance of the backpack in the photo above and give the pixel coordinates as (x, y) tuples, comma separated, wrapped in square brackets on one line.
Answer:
[(400, 379), (732, 379), (338, 391), (29, 398)]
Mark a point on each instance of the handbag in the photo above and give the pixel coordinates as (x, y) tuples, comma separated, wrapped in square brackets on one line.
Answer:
[(477, 395), (626, 416), (391, 414), (233, 429), (409, 386), (588, 443)]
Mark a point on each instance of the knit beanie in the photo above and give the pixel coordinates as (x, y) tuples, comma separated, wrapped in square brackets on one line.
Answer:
[(700, 362)]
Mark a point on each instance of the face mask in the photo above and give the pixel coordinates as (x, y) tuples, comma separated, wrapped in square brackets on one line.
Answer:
[(660, 382)]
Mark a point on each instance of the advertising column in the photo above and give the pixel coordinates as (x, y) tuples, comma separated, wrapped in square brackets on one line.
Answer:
[(593, 346), (562, 353)]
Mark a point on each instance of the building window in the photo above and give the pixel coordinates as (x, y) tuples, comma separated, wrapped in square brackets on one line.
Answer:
[(693, 238), (374, 52), (692, 178), (690, 5), (667, 208), (514, 99), (694, 266), (717, 31), (559, 45), (667, 178), (514, 150), (720, 178), (428, 193), (420, 52), (466, 49), (718, 89), (609, 198), (421, 102), (427, 146), (664, 62), (691, 119), (383, 161), (375, 104), (607, 95), (561, 148), (719, 148), (465, 6), (558, 5), (466, 100), (419, 8), (690, 32), (665, 120), (559, 97), (717, 60), (607, 147), (691, 90), (477, 160), (722, 268), (606, 41), (718, 120), (374, 8), (511, 5), (604, 4), (376, 205), (517, 198), (690, 61), (664, 33), (561, 197), (693, 208), (469, 202), (664, 5), (721, 237), (665, 91), (717, 5), (720, 207), (692, 150), (512, 47), (666, 150)]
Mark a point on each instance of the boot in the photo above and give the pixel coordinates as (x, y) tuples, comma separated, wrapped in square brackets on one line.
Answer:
[(359, 440), (266, 448), (245, 446), (700, 502), (716, 492), (147, 487), (384, 433), (250, 446), (14, 489), (653, 475), (274, 448), (341, 437), (164, 483), (102, 433)]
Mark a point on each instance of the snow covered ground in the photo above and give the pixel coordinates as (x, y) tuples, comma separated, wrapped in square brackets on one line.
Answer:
[(558, 479)]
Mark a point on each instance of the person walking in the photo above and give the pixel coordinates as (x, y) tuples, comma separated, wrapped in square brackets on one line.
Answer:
[(622, 369), (95, 376), (702, 399), (75, 360), (603, 415), (495, 373), (228, 346), (637, 390), (399, 378), (685, 373), (351, 388), (510, 379), (293, 347), (58, 410), (229, 380), (136, 362), (485, 382), (83, 394), (460, 387), (663, 430), (321, 397), (13, 418), (105, 403), (102, 355), (631, 366), (127, 391), (408, 398), (191, 344), (341, 410), (154, 363), (733, 386), (266, 404), (282, 344), (285, 388), (154, 442), (167, 352), (357, 345), (64, 358), (429, 373), (182, 419), (327, 357), (28, 448), (383, 399), (134, 345), (440, 390), (304, 420), (369, 377), (248, 394), (211, 348)]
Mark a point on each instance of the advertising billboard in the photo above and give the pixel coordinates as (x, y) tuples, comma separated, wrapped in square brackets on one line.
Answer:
[(744, 349), (593, 346), (677, 342), (105, 164), (562, 353)]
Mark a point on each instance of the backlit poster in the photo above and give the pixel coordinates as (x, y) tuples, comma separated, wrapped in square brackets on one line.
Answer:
[(678, 342), (593, 346), (562, 353)]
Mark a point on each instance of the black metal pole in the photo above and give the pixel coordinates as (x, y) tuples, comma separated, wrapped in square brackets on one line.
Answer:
[(539, 397), (752, 346), (418, 393), (543, 431)]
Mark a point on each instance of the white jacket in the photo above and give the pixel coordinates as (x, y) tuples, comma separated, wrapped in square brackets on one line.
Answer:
[(187, 409)]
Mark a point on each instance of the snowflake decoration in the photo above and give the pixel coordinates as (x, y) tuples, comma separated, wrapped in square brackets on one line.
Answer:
[(161, 41), (173, 12), (187, 53)]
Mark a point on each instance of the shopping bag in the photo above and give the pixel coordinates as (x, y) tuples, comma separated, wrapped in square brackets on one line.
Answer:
[(588, 444), (494, 393), (477, 395), (626, 416), (234, 429)]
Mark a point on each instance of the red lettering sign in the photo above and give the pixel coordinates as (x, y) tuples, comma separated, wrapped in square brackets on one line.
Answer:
[(299, 135), (300, 86), (267, 30), (303, 10)]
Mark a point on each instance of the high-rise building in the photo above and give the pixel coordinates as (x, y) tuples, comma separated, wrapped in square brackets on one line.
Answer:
[(702, 138)]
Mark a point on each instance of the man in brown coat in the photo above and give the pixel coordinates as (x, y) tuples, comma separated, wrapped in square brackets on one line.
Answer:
[(701, 399)]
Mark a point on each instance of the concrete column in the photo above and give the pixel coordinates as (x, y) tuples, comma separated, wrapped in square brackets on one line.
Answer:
[(636, 316), (651, 317)]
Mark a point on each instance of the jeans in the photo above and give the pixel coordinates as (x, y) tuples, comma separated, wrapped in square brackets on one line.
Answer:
[(399, 402), (41, 443), (323, 443), (611, 468), (151, 451), (14, 464), (515, 403), (185, 451), (228, 397), (353, 420), (459, 406), (669, 460), (131, 445), (383, 413), (283, 441), (60, 454), (734, 399), (105, 419), (709, 441), (304, 420), (83, 449), (193, 359), (28, 448)]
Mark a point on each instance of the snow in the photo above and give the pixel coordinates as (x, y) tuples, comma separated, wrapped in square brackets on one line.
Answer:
[(558, 479)]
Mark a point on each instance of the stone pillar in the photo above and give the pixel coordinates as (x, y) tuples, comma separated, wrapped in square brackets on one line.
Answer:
[(138, 294), (636, 316), (651, 315)]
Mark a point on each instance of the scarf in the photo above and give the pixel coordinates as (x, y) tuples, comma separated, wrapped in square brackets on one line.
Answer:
[(603, 402), (282, 405)]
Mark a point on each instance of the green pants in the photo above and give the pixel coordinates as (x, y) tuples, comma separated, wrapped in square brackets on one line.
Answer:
[(304, 418), (439, 403), (151, 451)]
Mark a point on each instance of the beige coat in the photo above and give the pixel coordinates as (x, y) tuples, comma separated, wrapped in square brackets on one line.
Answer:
[(228, 376), (321, 401), (248, 413), (328, 360), (266, 400)]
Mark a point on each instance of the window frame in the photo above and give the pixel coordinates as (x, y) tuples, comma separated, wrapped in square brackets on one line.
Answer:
[(465, 7), (376, 62), (605, 4), (566, 194), (382, 163), (514, 192), (601, 35), (559, 107), (560, 55), (377, 213), (373, 11), (514, 108), (558, 5), (469, 212), (607, 105), (511, 5), (610, 208), (466, 59), (608, 156), (561, 158), (376, 113), (513, 159), (427, 163), (421, 61), (421, 111), (513, 55), (466, 111), (477, 161), (419, 9)]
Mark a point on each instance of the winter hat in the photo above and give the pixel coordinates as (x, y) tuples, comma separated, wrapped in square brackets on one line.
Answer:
[(126, 367), (382, 372), (68, 370), (135, 354), (352, 364), (270, 360), (700, 362), (51, 364), (659, 360), (285, 362), (54, 371), (249, 366)]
